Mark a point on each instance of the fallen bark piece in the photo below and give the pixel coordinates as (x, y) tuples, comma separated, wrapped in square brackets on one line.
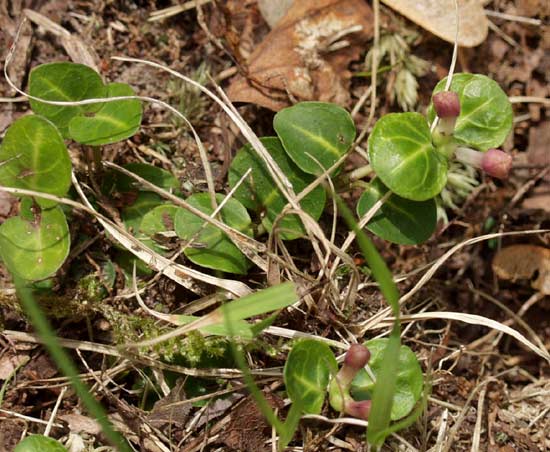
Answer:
[(306, 55), (524, 262), (439, 18)]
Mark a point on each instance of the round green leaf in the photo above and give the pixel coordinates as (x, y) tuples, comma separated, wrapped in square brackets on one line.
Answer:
[(409, 378), (39, 443), (399, 220), (403, 156), (212, 248), (133, 215), (159, 219), (315, 133), (157, 176), (308, 369), (114, 121), (35, 249), (259, 192), (67, 82), (486, 114), (33, 156)]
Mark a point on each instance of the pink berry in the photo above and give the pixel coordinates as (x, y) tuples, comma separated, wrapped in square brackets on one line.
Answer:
[(496, 163), (446, 104), (357, 357)]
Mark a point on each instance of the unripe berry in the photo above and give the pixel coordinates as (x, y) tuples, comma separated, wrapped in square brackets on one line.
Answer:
[(496, 163), (446, 104), (357, 357)]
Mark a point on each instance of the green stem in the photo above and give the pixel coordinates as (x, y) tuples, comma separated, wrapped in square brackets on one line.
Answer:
[(65, 364)]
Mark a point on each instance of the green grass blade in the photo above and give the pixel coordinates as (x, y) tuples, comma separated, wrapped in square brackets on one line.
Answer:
[(379, 269), (261, 302), (291, 424), (65, 364), (384, 390), (273, 298), (411, 418)]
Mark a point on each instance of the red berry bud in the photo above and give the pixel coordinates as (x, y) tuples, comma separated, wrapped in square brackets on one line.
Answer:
[(360, 410), (496, 163), (446, 104), (357, 357)]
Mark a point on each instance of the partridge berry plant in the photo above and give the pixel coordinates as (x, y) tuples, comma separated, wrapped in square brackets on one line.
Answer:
[(34, 157), (409, 158)]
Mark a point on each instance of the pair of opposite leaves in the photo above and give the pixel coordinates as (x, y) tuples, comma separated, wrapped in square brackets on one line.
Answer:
[(35, 157)]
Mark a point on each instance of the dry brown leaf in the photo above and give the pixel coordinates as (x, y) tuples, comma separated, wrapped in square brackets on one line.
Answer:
[(524, 262), (300, 57), (9, 362), (79, 423), (273, 11), (439, 18), (77, 50)]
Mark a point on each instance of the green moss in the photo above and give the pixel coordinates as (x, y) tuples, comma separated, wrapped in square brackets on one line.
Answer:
[(90, 289)]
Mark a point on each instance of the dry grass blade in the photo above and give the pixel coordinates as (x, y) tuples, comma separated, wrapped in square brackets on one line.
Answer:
[(472, 319), (146, 360), (165, 13), (383, 314), (362, 223), (248, 246), (180, 274)]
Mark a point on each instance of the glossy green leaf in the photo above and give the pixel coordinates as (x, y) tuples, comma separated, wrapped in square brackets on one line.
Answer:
[(35, 249), (39, 443), (159, 219), (258, 191), (157, 176), (212, 248), (403, 156), (315, 133), (409, 378), (399, 220), (308, 369), (133, 215), (486, 114), (67, 82), (114, 121), (33, 156)]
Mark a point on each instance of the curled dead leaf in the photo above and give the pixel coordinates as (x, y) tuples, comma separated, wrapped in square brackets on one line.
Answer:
[(306, 55), (524, 262), (439, 18)]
